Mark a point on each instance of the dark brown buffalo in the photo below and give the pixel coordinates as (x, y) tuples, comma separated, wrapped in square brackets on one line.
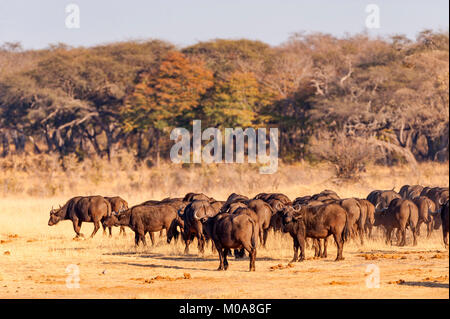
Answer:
[(264, 212), (445, 223), (317, 244), (355, 215), (404, 191), (318, 222), (426, 208), (326, 195), (439, 195), (217, 205), (369, 210), (233, 198), (280, 197), (143, 219), (263, 196), (373, 196), (232, 231), (174, 202), (399, 214), (118, 205), (425, 191), (263, 215), (410, 191), (303, 200), (192, 215), (89, 209), (177, 225), (190, 197), (382, 199)]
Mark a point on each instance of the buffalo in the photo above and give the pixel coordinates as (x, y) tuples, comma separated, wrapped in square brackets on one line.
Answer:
[(316, 222), (367, 209), (192, 225), (118, 205), (381, 199), (398, 215), (90, 209), (232, 231), (426, 209), (355, 215), (444, 210), (143, 219)]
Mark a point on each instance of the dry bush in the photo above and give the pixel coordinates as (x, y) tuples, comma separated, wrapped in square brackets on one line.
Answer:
[(349, 155)]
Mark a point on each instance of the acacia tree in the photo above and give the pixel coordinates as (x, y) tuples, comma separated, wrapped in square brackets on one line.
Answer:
[(236, 101), (161, 95)]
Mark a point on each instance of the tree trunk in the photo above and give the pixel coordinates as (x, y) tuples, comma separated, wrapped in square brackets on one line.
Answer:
[(157, 138)]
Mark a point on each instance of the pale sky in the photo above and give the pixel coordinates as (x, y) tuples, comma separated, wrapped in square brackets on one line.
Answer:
[(36, 24)]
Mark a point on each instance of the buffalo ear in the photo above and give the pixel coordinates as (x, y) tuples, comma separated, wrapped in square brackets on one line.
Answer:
[(297, 207)]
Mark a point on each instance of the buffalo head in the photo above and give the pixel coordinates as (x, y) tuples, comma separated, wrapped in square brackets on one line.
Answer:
[(54, 216), (290, 214)]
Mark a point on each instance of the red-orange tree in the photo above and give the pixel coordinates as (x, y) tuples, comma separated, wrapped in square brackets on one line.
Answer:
[(162, 95)]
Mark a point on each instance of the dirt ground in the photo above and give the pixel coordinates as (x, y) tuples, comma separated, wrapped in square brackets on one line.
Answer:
[(34, 259)]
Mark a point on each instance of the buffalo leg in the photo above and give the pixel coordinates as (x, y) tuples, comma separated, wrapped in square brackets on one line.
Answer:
[(325, 244), (122, 231), (265, 234), (402, 238), (96, 228), (136, 239), (445, 235), (187, 243), (221, 257), (225, 260), (142, 238), (419, 224), (301, 242), (77, 228), (388, 236), (429, 229), (252, 255), (340, 246), (369, 231), (152, 238), (317, 248), (296, 245), (361, 232), (414, 233), (252, 259), (201, 244)]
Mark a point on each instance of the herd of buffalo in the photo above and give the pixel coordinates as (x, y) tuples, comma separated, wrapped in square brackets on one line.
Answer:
[(239, 223)]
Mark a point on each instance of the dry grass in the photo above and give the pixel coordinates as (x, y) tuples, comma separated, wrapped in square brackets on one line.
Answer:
[(34, 256)]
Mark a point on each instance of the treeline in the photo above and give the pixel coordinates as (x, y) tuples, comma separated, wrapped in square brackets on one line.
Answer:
[(385, 99)]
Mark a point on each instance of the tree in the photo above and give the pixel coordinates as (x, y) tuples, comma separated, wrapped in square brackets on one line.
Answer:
[(161, 95)]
